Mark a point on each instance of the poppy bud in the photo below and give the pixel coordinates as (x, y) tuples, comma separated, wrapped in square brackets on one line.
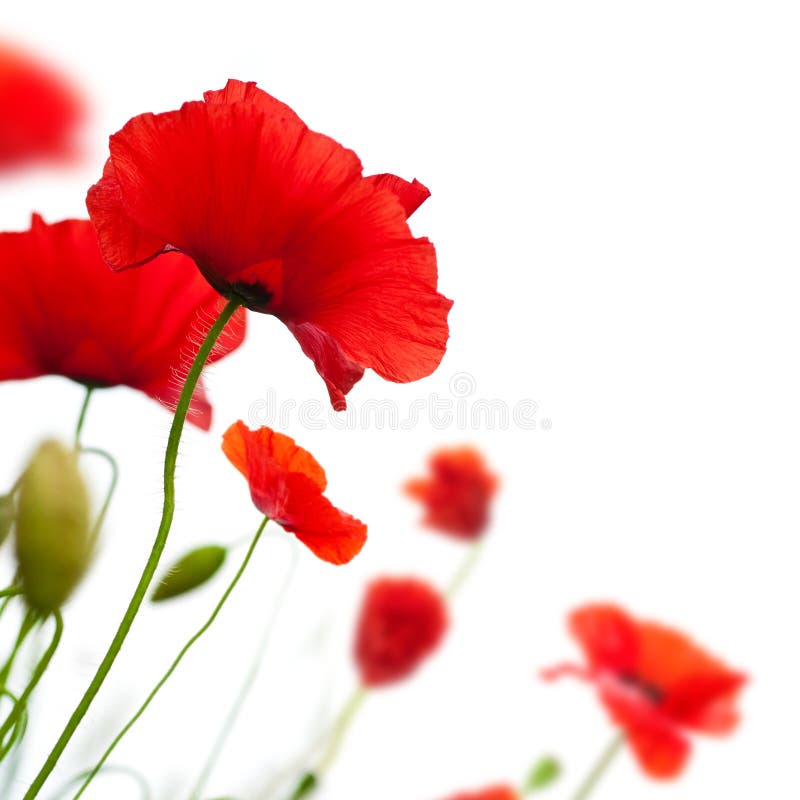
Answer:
[(543, 773), (54, 542), (402, 621), (7, 515), (190, 571)]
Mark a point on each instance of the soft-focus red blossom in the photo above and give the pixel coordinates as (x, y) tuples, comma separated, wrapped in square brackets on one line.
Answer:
[(39, 110), (457, 494), (402, 621), (286, 484), (64, 312), (656, 684), (492, 793), (281, 218)]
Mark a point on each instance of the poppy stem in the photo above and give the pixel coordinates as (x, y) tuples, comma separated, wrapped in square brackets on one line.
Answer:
[(465, 569), (599, 769), (135, 775), (310, 780), (177, 660), (255, 668), (167, 514), (41, 667), (82, 416), (112, 462)]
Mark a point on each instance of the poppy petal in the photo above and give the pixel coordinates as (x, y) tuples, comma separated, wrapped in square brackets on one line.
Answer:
[(411, 195), (607, 636)]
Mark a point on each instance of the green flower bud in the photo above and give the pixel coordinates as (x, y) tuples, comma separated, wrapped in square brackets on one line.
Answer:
[(190, 571), (54, 544), (545, 772), (7, 516)]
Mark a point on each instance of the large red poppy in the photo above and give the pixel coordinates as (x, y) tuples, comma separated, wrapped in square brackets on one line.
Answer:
[(287, 485), (458, 493), (64, 312), (402, 621), (656, 684), (39, 110), (491, 793), (281, 218)]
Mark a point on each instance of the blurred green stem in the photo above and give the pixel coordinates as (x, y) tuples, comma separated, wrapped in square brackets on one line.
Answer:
[(465, 569), (184, 650), (82, 415), (599, 769)]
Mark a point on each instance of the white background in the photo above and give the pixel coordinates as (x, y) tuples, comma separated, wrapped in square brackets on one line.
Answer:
[(615, 206)]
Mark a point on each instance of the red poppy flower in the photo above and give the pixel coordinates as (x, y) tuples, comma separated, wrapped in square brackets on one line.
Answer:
[(64, 312), (402, 621), (457, 494), (281, 218), (655, 683), (492, 793), (38, 110), (286, 484)]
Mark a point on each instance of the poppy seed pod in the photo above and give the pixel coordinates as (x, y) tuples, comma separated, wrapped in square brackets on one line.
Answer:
[(7, 514), (190, 571), (54, 543)]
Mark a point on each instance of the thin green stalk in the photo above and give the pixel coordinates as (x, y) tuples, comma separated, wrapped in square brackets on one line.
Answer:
[(250, 679), (599, 769), (112, 462), (26, 626), (82, 416), (39, 670), (465, 569), (310, 780), (167, 514), (184, 650), (141, 781)]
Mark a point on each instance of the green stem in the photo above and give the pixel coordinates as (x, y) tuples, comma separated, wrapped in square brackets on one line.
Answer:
[(39, 670), (121, 770), (465, 569), (184, 650), (250, 679), (167, 514), (599, 769), (310, 780), (112, 462), (26, 626), (82, 416)]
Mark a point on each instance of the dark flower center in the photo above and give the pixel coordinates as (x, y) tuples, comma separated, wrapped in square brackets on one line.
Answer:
[(652, 693)]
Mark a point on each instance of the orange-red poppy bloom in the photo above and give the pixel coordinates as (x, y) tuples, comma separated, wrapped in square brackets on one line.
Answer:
[(457, 495), (287, 485), (491, 793), (64, 312), (402, 621), (282, 219), (39, 110), (655, 683)]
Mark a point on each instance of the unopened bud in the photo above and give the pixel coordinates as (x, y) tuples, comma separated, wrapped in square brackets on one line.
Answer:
[(545, 772), (190, 571), (7, 515), (54, 543)]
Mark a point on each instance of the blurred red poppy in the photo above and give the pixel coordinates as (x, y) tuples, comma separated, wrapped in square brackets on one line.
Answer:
[(656, 684), (39, 110), (457, 494), (64, 312), (402, 621), (281, 218), (286, 484), (492, 793)]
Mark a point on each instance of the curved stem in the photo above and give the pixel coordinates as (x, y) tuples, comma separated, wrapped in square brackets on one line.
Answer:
[(250, 679), (26, 626), (135, 774), (168, 512), (465, 569), (39, 670), (112, 462), (599, 769), (184, 650), (82, 415)]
